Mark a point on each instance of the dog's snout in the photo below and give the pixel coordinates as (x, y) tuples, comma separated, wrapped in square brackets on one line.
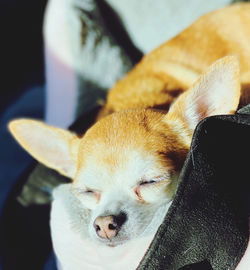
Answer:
[(108, 226)]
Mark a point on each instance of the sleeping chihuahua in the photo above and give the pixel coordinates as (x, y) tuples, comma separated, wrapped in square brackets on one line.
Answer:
[(125, 168)]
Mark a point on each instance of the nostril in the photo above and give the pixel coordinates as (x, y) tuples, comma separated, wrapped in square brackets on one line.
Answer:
[(112, 226), (97, 227)]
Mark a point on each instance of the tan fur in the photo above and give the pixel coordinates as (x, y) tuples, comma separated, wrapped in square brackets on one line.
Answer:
[(109, 137), (173, 67)]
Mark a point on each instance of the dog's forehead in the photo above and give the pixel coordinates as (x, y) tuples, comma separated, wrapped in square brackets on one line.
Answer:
[(124, 147), (123, 131), (122, 166)]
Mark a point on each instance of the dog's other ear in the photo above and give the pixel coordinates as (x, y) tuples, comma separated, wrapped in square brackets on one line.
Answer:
[(54, 147), (215, 92)]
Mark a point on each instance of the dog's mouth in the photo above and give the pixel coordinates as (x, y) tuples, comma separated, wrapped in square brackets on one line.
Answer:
[(112, 245), (114, 242)]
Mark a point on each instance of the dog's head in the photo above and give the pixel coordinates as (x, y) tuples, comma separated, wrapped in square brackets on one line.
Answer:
[(125, 167)]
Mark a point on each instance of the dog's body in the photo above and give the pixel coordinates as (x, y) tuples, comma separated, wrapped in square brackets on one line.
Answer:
[(125, 167), (172, 68)]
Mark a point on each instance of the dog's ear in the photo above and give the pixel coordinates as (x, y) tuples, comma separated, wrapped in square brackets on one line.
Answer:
[(54, 147), (215, 92)]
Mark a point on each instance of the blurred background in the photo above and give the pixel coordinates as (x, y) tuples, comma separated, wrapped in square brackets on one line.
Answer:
[(33, 84), (22, 80)]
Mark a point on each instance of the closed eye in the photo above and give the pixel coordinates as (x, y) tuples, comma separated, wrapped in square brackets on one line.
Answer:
[(142, 183), (87, 191), (154, 180), (89, 197)]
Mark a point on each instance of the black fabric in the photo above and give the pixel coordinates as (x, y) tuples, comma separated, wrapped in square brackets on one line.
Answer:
[(208, 220), (204, 265), (205, 228)]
